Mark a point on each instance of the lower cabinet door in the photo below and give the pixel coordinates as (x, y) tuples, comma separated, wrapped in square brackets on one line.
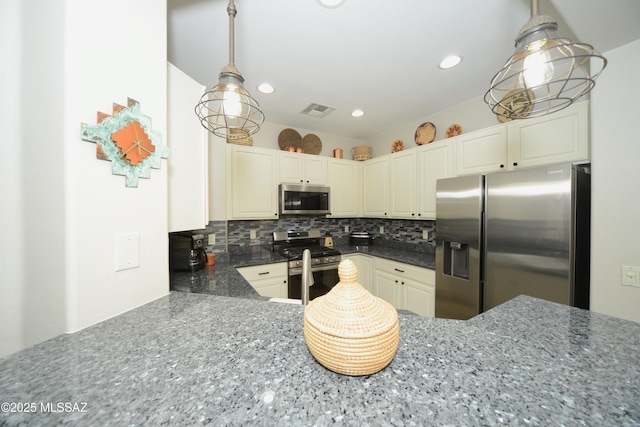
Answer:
[(419, 298), (272, 288), (387, 287)]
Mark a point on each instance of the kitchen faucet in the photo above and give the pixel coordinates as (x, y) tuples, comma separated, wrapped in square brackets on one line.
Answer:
[(307, 276)]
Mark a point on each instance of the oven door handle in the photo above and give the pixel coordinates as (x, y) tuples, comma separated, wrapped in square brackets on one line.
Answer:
[(298, 270)]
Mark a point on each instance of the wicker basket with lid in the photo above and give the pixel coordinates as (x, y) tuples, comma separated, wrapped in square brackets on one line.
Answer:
[(348, 330)]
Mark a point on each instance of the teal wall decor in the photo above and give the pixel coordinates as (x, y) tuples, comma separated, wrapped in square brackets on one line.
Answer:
[(127, 139)]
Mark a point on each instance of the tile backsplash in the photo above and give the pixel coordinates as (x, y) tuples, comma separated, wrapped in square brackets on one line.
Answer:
[(237, 235)]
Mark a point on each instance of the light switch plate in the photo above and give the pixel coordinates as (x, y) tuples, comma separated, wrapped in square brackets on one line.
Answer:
[(630, 275), (252, 234), (127, 250), (212, 239)]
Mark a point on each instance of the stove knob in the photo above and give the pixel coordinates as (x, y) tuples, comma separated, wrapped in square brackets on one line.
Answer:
[(316, 260)]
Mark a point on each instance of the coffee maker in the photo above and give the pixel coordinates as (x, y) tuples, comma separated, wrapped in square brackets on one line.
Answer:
[(186, 252)]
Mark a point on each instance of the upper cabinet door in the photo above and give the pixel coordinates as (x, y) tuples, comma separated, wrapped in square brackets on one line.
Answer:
[(187, 163), (558, 137), (252, 185), (346, 188), (402, 184), (481, 151), (435, 161), (375, 183), (296, 168)]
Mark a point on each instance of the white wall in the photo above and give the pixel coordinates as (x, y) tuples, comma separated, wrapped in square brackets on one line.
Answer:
[(32, 307), (615, 148), (471, 115), (62, 207), (122, 54)]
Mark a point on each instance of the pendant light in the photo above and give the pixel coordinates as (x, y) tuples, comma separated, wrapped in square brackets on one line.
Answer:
[(228, 110), (546, 74)]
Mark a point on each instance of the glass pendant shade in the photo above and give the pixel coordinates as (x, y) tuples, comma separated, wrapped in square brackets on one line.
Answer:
[(547, 73), (228, 110)]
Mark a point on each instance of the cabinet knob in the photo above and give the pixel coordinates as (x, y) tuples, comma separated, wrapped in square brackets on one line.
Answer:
[(515, 163), (413, 214), (501, 166)]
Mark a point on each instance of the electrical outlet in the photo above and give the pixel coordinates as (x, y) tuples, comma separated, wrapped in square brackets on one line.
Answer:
[(425, 234), (212, 239), (252, 234), (630, 276), (382, 229), (346, 228)]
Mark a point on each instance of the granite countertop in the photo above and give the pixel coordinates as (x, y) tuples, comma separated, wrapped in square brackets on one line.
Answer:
[(224, 280), (192, 359)]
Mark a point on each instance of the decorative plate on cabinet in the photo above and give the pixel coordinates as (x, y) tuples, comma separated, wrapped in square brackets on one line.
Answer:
[(425, 133), (453, 130), (397, 145), (289, 138), (311, 144)]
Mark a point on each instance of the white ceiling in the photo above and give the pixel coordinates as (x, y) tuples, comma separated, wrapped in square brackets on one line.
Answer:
[(377, 55)]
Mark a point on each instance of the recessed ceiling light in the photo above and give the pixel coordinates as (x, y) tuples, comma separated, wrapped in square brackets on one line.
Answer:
[(450, 61), (265, 88), (357, 113), (331, 3)]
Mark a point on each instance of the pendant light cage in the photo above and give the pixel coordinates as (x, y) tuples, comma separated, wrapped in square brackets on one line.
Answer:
[(228, 110), (546, 74)]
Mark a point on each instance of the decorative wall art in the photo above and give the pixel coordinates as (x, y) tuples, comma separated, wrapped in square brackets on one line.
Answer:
[(128, 140)]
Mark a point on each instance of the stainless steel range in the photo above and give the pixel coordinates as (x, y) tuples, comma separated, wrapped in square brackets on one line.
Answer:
[(324, 261)]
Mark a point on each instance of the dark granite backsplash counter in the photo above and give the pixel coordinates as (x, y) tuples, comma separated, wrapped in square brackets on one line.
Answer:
[(191, 359)]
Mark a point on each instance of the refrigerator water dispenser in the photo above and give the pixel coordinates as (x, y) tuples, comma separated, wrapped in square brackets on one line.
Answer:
[(456, 260)]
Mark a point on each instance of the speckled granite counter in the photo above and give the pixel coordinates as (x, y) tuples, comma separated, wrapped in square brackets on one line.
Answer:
[(189, 359), (223, 279), (394, 253)]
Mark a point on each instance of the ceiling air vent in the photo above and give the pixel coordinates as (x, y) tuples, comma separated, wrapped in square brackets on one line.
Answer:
[(317, 110)]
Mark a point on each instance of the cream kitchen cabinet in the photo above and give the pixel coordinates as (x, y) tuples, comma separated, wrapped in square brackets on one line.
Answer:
[(300, 168), (405, 286), (558, 137), (402, 184), (555, 138), (188, 172), (269, 280), (481, 151), (364, 264), (345, 181), (435, 161), (252, 183), (375, 187)]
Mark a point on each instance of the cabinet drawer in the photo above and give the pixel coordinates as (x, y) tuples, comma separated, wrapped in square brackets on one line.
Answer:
[(264, 271), (411, 272)]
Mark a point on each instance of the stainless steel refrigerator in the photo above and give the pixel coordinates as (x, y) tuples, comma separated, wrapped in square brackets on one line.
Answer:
[(505, 234)]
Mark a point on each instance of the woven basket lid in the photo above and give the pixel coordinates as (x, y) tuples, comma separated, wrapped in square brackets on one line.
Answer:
[(349, 310)]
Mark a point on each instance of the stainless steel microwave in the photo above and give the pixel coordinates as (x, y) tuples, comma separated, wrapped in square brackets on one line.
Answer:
[(295, 199)]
